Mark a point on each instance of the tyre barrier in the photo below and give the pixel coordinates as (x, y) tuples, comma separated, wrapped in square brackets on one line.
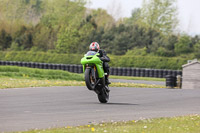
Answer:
[(133, 72), (129, 71), (142, 72), (115, 71), (171, 81), (119, 71), (146, 73), (137, 72), (124, 71), (151, 73)]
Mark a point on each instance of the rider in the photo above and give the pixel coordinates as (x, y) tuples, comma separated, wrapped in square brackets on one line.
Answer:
[(94, 46)]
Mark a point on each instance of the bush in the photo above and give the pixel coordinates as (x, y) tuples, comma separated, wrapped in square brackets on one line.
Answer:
[(183, 45), (43, 57), (147, 62), (116, 61)]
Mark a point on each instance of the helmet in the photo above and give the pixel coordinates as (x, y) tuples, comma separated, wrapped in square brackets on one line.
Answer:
[(94, 46)]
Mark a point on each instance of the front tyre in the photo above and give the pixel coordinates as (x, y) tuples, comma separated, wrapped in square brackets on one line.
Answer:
[(103, 96), (90, 83)]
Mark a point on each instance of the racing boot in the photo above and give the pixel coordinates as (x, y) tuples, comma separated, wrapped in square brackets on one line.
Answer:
[(107, 80)]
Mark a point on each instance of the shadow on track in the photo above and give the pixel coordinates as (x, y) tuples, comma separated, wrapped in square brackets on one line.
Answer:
[(120, 104)]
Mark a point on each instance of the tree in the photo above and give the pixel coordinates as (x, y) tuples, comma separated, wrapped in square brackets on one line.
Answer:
[(135, 17), (5, 40), (63, 12), (183, 46), (196, 45), (197, 50), (195, 40), (24, 38), (68, 40), (118, 39), (120, 44), (169, 46), (160, 15), (63, 18), (44, 38), (102, 18), (20, 12)]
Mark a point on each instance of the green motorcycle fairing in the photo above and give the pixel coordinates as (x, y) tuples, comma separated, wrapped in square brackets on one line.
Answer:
[(90, 59)]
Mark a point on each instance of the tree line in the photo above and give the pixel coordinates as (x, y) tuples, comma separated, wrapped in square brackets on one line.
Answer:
[(67, 26)]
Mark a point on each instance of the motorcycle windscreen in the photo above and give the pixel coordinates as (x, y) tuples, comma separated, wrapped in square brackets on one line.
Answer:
[(89, 53)]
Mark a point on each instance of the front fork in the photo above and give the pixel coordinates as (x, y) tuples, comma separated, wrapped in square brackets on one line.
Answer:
[(94, 73)]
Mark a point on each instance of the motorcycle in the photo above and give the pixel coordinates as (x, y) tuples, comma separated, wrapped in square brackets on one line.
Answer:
[(95, 76)]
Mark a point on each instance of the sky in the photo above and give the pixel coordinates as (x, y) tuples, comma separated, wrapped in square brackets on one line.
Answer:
[(188, 11)]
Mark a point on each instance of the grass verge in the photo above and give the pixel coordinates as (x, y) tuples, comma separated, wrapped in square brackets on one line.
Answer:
[(24, 72), (137, 78), (8, 82), (20, 77), (14, 71), (182, 124)]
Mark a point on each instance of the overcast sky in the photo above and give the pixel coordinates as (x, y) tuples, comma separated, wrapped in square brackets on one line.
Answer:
[(189, 11)]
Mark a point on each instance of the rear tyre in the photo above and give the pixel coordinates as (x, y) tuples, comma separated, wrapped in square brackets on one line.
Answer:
[(88, 79), (103, 96)]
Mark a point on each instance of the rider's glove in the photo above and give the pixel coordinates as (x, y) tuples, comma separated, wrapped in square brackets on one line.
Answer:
[(102, 58)]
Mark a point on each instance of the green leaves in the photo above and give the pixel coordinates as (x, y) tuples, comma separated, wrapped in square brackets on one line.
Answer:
[(160, 15), (68, 40), (63, 12), (67, 26), (5, 40), (183, 45)]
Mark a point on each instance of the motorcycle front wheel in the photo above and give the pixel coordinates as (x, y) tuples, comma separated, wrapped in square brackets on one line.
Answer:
[(89, 81)]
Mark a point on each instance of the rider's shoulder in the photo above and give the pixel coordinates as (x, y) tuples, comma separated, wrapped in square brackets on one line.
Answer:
[(101, 51)]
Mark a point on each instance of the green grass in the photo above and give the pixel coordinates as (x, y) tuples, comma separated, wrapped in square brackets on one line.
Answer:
[(8, 82), (137, 78), (14, 71), (22, 82), (184, 124), (20, 77)]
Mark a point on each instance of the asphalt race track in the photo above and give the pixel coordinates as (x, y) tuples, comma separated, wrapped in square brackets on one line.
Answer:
[(49, 107)]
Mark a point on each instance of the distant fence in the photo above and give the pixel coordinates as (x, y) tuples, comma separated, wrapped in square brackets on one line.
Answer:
[(118, 71)]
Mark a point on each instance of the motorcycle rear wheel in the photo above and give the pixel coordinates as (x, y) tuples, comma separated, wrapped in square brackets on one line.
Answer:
[(103, 96)]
